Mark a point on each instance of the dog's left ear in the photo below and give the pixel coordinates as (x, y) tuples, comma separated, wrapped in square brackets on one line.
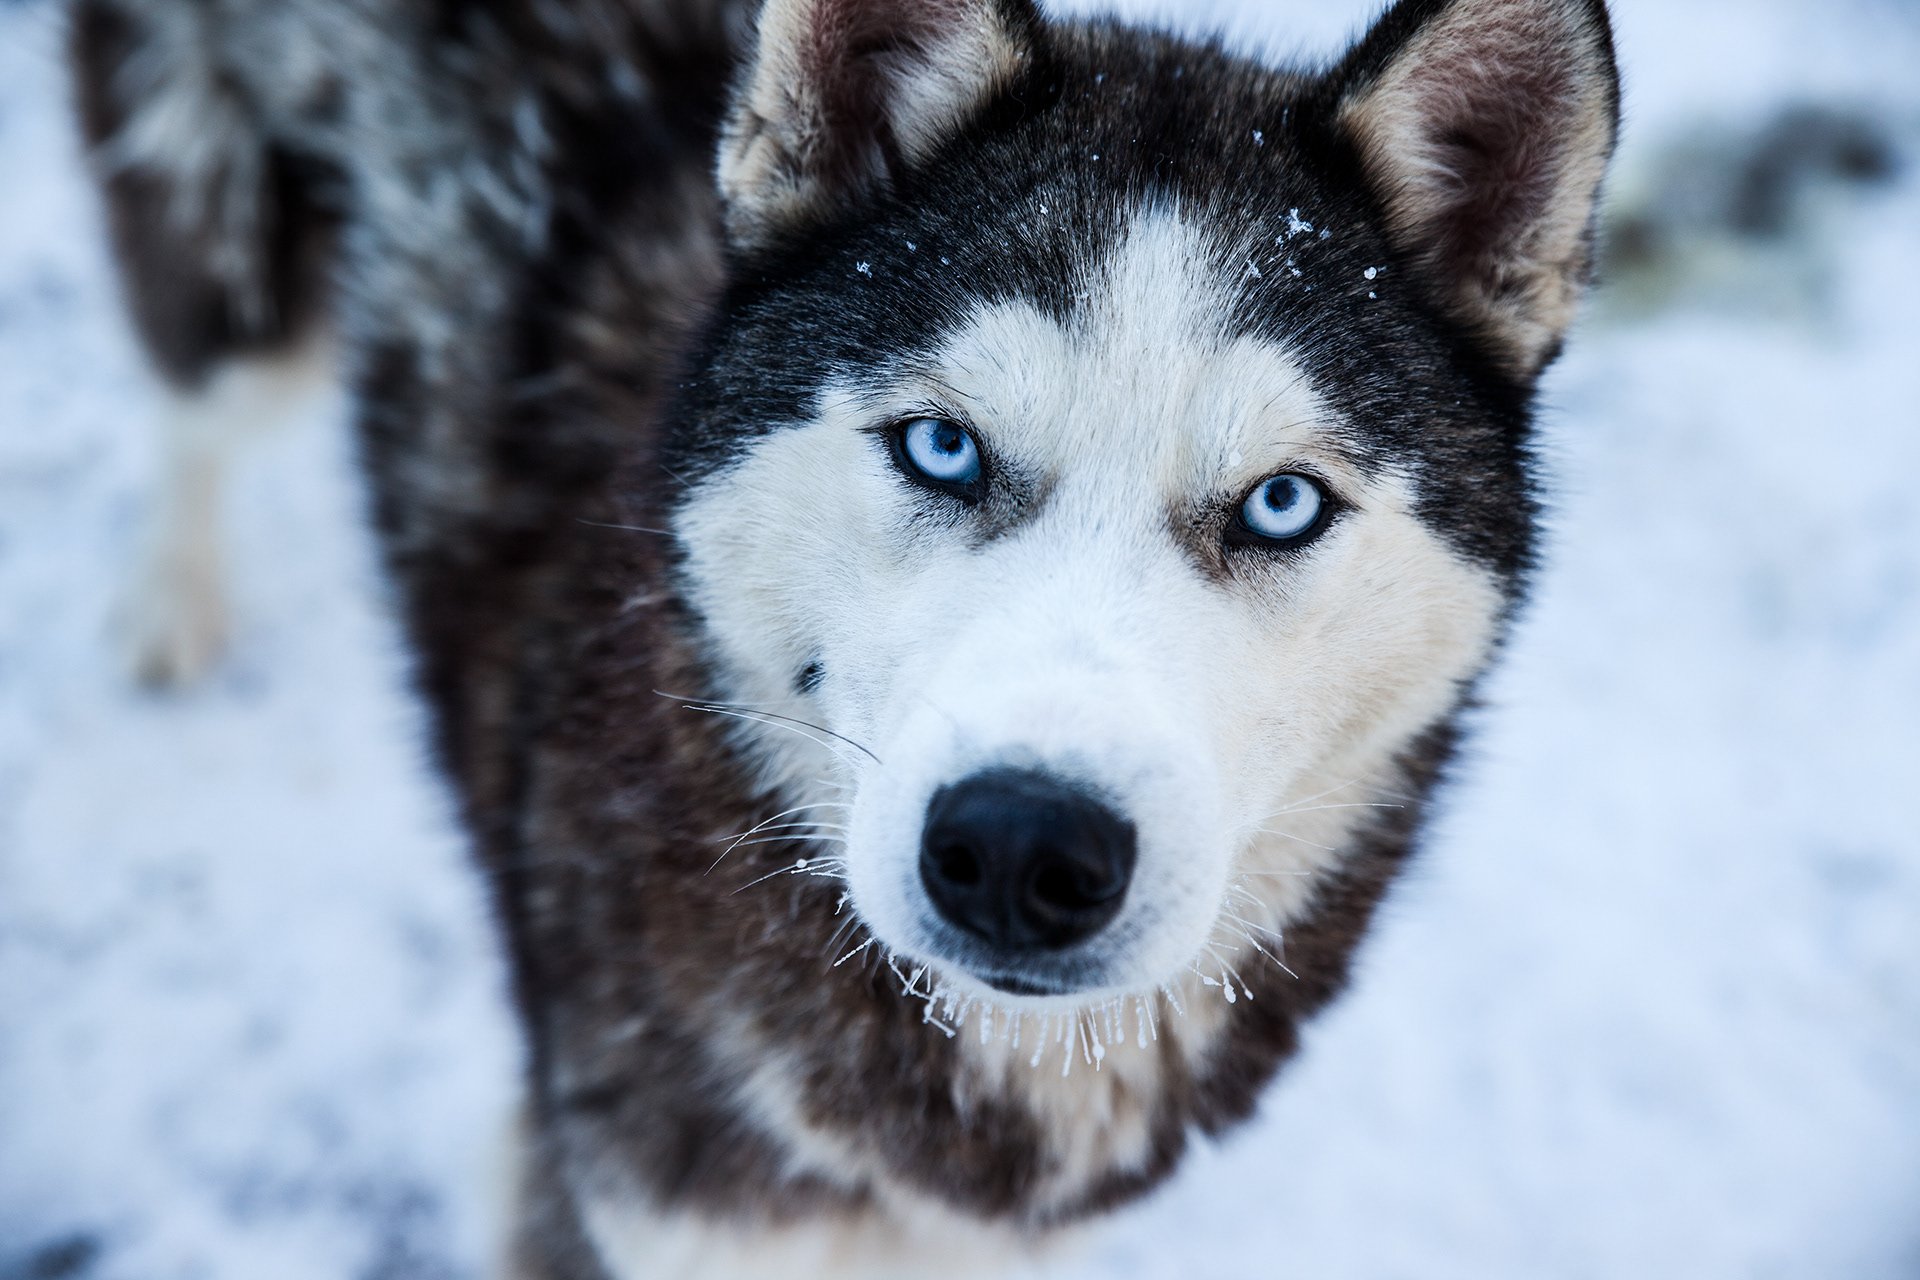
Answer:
[(842, 94), (1484, 127)]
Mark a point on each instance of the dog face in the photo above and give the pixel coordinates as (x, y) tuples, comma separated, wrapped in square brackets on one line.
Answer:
[(1112, 454)]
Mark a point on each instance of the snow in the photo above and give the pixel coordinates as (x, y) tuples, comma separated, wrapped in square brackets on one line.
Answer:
[(1649, 1006)]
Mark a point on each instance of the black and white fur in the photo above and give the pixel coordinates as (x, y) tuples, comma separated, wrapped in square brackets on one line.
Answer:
[(633, 301)]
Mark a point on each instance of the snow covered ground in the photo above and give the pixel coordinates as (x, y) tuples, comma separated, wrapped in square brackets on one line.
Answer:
[(1650, 1007)]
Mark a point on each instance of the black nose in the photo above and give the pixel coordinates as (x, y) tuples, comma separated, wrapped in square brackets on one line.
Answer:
[(1024, 860)]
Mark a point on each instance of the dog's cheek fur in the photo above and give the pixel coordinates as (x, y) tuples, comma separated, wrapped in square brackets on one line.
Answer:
[(778, 575), (1382, 640)]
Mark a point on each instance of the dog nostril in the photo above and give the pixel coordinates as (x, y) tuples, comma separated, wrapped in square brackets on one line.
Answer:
[(1054, 885), (957, 865), (1058, 884), (1069, 885)]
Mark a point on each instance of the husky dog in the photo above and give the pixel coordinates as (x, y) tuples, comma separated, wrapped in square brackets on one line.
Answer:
[(945, 547)]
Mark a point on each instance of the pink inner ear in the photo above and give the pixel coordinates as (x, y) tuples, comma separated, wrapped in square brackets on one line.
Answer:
[(1495, 145), (841, 64), (852, 42), (1486, 125), (848, 93)]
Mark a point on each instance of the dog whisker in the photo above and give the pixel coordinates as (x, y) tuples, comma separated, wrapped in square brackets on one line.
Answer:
[(1320, 795), (748, 710), (1308, 805), (1323, 808), (841, 932), (733, 841), (864, 946), (1250, 926), (796, 839), (1288, 835), (785, 813), (675, 475), (772, 722), (624, 528), (784, 826), (1250, 931), (825, 868)]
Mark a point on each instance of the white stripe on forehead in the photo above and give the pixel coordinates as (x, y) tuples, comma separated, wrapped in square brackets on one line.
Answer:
[(1144, 370)]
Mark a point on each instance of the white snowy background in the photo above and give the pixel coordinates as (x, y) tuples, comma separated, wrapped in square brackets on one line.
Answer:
[(1649, 1006)]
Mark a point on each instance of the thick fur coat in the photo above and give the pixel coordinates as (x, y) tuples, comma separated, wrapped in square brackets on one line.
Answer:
[(698, 653)]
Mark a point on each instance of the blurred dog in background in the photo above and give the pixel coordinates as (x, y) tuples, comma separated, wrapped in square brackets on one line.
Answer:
[(946, 548)]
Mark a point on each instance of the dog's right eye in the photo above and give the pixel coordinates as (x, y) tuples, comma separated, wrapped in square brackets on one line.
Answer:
[(1286, 510), (942, 455)]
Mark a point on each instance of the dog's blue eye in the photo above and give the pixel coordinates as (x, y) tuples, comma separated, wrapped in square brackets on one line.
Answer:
[(1284, 508), (944, 452)]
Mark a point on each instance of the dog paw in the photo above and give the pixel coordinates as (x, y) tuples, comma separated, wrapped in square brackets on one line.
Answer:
[(174, 626)]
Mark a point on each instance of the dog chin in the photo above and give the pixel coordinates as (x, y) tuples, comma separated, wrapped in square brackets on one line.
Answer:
[(1018, 986), (1021, 992)]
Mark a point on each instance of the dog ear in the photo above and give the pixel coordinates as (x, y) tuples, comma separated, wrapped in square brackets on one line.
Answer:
[(841, 94), (1484, 127)]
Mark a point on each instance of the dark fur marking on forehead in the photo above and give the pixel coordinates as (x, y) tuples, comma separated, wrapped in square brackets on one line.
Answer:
[(966, 230)]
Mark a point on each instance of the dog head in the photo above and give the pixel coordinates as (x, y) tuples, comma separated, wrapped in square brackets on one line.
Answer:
[(1111, 454)]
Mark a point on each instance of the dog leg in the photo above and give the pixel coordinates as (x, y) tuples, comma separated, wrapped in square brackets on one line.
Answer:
[(175, 618), (223, 249)]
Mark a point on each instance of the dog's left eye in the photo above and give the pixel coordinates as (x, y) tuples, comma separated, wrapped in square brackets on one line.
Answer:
[(1284, 509), (942, 453)]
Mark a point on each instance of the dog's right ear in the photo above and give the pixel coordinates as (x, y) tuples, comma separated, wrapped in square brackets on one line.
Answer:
[(841, 94)]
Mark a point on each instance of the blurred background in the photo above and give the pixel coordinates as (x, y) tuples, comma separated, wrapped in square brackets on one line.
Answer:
[(1648, 1007)]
